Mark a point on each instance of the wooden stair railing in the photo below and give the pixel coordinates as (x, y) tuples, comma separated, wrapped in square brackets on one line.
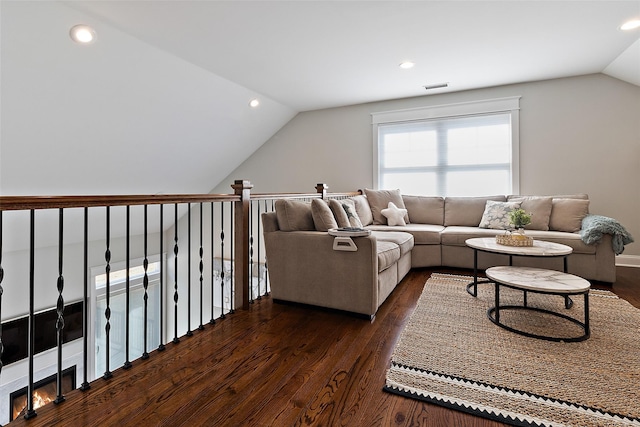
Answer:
[(244, 222)]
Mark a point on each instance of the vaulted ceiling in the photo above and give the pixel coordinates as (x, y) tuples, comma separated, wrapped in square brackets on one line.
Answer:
[(159, 103)]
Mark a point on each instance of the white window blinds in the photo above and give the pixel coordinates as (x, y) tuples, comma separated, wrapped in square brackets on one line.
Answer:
[(457, 155)]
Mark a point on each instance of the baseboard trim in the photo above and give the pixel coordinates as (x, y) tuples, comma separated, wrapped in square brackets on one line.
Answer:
[(628, 261)]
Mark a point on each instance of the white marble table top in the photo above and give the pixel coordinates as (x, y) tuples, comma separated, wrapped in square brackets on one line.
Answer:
[(539, 248), (538, 279)]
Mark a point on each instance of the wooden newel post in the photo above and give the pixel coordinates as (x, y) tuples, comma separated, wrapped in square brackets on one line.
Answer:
[(241, 251), (322, 190)]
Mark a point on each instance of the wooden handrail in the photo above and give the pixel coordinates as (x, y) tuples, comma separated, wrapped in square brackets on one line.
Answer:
[(15, 203)]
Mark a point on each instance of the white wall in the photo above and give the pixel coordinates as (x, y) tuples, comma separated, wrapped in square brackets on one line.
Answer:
[(578, 134)]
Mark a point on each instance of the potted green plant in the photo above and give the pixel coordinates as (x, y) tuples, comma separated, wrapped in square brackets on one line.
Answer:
[(519, 219)]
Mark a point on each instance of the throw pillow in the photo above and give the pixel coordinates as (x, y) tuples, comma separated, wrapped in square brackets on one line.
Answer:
[(538, 207), (294, 215), (567, 214), (394, 215), (339, 213), (323, 218), (379, 200), (496, 215), (349, 207), (363, 209)]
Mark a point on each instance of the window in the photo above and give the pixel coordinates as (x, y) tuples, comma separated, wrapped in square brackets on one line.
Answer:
[(466, 149), (117, 306)]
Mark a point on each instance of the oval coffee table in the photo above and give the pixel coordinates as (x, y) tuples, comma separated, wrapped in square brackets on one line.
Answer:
[(540, 248), (542, 281)]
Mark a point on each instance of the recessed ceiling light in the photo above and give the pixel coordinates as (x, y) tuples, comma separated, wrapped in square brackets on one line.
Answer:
[(407, 64), (254, 103), (82, 34), (631, 25)]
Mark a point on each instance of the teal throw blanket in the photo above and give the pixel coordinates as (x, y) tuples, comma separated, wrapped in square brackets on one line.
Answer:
[(594, 226)]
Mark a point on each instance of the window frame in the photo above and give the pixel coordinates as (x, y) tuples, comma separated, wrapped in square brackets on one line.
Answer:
[(508, 105)]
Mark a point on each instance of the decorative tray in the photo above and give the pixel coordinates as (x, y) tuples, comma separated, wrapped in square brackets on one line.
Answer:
[(514, 240), (349, 232)]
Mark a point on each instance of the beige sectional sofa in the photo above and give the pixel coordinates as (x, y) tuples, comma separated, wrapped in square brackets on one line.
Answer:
[(304, 267)]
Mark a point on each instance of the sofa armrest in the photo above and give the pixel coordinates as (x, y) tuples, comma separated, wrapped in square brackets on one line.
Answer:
[(304, 268)]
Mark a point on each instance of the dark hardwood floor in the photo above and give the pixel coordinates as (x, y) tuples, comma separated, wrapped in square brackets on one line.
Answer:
[(274, 365)]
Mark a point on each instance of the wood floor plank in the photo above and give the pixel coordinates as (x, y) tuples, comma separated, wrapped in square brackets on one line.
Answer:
[(275, 365)]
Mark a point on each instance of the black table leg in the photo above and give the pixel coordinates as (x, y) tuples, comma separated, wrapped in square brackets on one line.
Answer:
[(474, 284), (497, 301)]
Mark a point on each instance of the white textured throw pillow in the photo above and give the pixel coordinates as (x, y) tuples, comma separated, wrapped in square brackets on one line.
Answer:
[(496, 215), (394, 215)]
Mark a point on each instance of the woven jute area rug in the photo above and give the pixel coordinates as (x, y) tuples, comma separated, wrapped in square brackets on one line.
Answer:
[(450, 354)]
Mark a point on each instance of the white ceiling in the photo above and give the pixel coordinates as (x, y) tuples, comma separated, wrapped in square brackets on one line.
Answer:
[(317, 54), (159, 103)]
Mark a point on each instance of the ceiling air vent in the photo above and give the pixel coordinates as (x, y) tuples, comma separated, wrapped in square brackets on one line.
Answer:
[(436, 86)]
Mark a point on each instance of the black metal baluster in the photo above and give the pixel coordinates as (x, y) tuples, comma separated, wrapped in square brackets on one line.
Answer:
[(145, 284), (266, 261), (250, 284), (1, 292), (212, 321), (201, 327), (161, 346), (107, 311), (189, 332), (127, 362), (231, 277), (32, 328), (60, 308), (85, 311), (222, 258), (259, 243), (175, 285)]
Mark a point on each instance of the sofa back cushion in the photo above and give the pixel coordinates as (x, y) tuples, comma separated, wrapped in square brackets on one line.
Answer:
[(363, 210), (323, 218), (538, 207), (466, 211), (567, 214), (424, 209), (379, 199), (339, 213), (294, 215)]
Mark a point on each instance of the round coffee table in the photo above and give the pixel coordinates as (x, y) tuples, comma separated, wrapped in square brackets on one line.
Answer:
[(542, 281), (540, 248)]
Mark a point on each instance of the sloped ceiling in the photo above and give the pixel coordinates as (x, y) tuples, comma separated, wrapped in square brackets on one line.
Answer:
[(120, 116), (159, 103)]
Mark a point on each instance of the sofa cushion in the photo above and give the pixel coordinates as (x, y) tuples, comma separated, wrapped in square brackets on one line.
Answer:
[(388, 254), (457, 235), (570, 239), (339, 213), (567, 214), (538, 207), (423, 234), (399, 238), (466, 211), (424, 209), (294, 215), (496, 215), (363, 209), (323, 218), (379, 199)]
